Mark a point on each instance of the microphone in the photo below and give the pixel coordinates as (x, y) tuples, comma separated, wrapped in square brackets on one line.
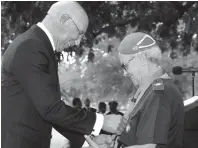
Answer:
[(178, 70)]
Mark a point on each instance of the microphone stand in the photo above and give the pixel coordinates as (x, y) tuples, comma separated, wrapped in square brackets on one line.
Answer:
[(193, 83)]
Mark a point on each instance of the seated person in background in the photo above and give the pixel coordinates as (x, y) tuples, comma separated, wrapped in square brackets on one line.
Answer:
[(92, 109), (87, 103), (102, 108), (77, 103), (113, 108)]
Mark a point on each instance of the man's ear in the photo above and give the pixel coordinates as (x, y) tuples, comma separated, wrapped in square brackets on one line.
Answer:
[(64, 18)]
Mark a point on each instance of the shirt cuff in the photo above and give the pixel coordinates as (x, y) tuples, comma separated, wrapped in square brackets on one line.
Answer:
[(86, 144), (97, 127)]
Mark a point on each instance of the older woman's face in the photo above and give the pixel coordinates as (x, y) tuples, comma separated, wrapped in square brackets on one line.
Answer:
[(133, 67)]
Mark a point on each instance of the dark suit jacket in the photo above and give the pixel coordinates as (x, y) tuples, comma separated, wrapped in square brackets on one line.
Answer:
[(31, 102)]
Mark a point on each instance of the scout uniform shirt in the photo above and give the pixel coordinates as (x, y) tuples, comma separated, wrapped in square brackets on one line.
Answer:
[(157, 118)]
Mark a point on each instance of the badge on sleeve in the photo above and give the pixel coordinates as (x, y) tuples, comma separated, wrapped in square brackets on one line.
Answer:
[(158, 84)]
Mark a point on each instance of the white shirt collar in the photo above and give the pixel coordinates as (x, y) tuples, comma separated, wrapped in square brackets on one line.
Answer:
[(47, 33)]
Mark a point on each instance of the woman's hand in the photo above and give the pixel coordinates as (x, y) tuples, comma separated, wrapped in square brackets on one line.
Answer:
[(101, 141)]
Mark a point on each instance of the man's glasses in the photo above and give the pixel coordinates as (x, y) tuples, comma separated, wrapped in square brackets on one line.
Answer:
[(81, 33), (66, 16)]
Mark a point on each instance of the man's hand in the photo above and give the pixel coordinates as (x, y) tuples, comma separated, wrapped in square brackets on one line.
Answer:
[(101, 141), (111, 123), (92, 144)]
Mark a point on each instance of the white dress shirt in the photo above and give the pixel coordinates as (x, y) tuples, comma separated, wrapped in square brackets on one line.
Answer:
[(99, 117), (47, 33)]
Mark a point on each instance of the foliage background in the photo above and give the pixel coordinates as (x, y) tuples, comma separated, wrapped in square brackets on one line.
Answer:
[(95, 72)]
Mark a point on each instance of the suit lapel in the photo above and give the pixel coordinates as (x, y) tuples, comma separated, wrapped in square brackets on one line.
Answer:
[(44, 38)]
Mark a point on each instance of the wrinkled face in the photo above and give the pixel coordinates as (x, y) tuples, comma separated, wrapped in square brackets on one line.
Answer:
[(133, 67), (68, 35)]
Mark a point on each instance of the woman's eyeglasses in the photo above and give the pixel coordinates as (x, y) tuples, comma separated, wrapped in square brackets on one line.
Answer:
[(125, 66)]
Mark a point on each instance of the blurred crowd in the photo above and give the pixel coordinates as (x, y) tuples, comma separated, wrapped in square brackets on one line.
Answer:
[(102, 106)]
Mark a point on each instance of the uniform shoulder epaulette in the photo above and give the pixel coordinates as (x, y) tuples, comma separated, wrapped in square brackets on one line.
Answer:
[(158, 84)]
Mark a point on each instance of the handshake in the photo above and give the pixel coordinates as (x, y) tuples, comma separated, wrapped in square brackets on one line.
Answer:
[(114, 124)]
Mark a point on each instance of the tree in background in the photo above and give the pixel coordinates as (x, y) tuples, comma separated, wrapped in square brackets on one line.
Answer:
[(104, 80), (97, 74), (173, 24)]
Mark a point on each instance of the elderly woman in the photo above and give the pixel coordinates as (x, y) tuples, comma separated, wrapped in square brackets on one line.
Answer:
[(156, 113)]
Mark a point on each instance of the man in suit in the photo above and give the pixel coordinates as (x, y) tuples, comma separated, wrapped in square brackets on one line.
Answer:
[(31, 99)]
